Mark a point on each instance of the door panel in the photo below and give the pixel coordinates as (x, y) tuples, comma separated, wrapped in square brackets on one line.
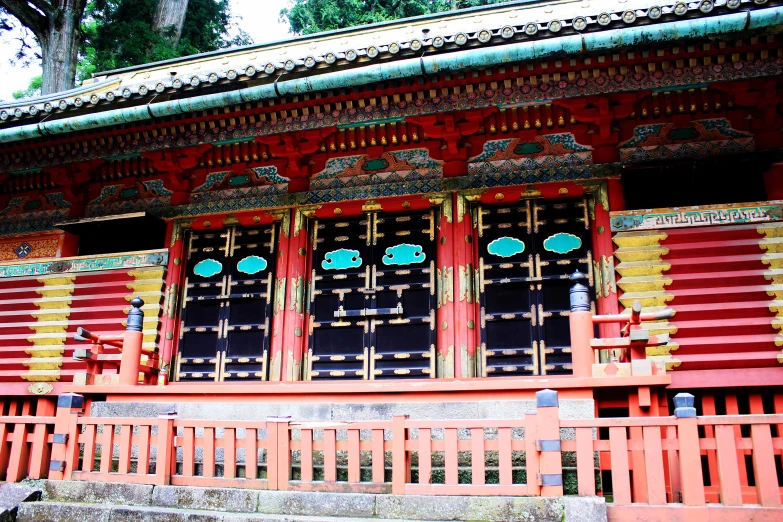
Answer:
[(227, 305), (340, 279), (527, 252), (372, 297)]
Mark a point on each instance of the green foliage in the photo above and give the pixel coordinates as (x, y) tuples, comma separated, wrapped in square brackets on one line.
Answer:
[(34, 89), (118, 33), (315, 16)]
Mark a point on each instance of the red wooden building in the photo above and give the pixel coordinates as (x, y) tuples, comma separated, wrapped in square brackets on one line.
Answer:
[(385, 220)]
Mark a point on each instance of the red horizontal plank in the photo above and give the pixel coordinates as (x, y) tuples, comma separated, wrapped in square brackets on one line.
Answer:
[(618, 421), (340, 487), (127, 478), (467, 489), (694, 379), (179, 480)]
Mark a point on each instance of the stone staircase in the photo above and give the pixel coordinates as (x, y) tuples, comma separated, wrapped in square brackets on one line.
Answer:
[(71, 501)]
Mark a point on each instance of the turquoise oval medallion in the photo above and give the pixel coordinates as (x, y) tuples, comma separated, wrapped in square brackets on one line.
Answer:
[(562, 243), (506, 247), (404, 254), (252, 265), (341, 259), (207, 268)]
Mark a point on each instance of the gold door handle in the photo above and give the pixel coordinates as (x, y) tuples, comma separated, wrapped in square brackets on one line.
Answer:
[(531, 315), (220, 329), (542, 314)]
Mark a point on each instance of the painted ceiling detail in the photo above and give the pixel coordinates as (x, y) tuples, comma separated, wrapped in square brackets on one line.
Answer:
[(699, 138), (366, 170), (141, 196), (227, 185), (550, 152)]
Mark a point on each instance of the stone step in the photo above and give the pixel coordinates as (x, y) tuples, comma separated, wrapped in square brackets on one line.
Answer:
[(12, 496), (72, 501), (73, 512)]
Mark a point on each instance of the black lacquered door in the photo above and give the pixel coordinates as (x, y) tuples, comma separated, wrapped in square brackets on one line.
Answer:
[(372, 297), (527, 252), (226, 306)]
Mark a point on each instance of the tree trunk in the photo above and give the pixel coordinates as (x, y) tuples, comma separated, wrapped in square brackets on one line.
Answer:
[(169, 19), (60, 47)]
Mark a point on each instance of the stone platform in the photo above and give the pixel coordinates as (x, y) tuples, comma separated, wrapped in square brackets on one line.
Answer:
[(103, 502)]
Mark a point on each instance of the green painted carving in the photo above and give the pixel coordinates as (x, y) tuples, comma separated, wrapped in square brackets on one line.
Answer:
[(128, 193), (683, 134), (32, 205), (239, 180), (252, 265), (562, 243), (375, 164), (528, 148), (85, 264), (404, 254), (506, 247), (207, 268), (341, 259)]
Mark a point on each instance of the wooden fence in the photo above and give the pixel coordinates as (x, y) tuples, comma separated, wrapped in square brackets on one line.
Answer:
[(683, 459)]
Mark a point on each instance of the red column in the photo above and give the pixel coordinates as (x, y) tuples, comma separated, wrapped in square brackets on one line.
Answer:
[(288, 329), (603, 252), (464, 296), (175, 237), (444, 283), (277, 342)]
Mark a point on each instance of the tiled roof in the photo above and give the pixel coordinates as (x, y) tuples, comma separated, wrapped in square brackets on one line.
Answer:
[(350, 48)]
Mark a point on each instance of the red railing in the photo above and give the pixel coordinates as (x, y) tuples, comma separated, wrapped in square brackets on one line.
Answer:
[(25, 447), (331, 456), (246, 456), (106, 448), (653, 461)]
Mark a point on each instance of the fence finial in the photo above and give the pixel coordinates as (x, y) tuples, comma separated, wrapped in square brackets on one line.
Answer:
[(136, 315), (580, 293), (546, 399), (683, 406)]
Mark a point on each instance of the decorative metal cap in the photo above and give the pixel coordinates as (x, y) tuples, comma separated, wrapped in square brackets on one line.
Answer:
[(73, 401), (683, 406), (580, 293), (546, 399), (136, 315)]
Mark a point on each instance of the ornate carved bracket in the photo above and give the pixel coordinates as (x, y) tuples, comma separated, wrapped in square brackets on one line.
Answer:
[(452, 129), (294, 148)]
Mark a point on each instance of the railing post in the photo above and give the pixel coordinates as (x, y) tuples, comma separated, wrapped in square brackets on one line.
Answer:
[(65, 450), (550, 462), (400, 459), (131, 344), (40, 452), (581, 323), (165, 443), (278, 453), (690, 453), (20, 454)]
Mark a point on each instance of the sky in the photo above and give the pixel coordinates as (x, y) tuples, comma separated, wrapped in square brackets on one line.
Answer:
[(259, 18)]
